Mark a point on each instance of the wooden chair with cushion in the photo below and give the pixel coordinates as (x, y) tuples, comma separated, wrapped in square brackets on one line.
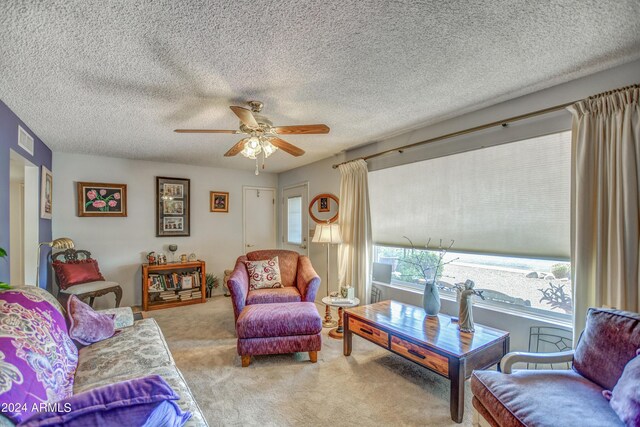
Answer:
[(78, 274)]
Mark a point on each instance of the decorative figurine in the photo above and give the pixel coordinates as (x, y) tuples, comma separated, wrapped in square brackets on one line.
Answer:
[(162, 258), (183, 258), (192, 257), (151, 258), (465, 322)]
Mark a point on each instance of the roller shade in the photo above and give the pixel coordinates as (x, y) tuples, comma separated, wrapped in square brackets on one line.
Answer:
[(509, 199)]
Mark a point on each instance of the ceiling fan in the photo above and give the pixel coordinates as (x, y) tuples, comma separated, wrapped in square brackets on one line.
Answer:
[(262, 137)]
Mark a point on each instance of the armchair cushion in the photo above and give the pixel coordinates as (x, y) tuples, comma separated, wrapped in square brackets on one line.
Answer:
[(269, 296), (608, 343), (264, 274), (76, 272), (541, 398)]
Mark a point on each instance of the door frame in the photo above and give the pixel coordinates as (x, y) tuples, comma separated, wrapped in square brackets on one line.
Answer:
[(304, 211), (244, 213)]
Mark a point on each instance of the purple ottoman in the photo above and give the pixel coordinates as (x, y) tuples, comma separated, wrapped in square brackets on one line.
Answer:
[(278, 328)]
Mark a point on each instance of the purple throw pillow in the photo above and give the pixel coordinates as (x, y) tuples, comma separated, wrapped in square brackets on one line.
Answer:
[(86, 325), (625, 396), (38, 360), (147, 401)]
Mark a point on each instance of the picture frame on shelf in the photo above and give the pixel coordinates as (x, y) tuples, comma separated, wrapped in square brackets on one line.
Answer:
[(219, 201), (97, 199), (46, 194), (173, 207)]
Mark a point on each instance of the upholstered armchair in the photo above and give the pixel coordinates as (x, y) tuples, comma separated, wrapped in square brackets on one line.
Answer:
[(300, 281), (564, 397)]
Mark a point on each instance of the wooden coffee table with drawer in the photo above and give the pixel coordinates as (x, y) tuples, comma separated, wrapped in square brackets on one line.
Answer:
[(432, 342)]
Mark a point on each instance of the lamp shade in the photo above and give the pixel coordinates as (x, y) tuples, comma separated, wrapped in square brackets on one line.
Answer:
[(327, 233), (62, 243)]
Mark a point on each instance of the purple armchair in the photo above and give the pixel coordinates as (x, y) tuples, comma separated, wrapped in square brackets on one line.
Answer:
[(300, 280)]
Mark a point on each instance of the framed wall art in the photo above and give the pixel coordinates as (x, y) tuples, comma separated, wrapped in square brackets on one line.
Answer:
[(172, 207), (46, 194), (100, 199), (219, 201), (324, 208)]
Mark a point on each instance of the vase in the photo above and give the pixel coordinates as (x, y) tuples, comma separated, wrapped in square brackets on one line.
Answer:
[(431, 299)]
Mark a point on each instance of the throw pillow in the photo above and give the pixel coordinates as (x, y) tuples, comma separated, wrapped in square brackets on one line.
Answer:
[(147, 401), (77, 272), (625, 396), (264, 274), (86, 325), (38, 360)]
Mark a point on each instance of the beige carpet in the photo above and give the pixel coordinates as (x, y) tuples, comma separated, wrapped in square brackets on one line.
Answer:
[(372, 387)]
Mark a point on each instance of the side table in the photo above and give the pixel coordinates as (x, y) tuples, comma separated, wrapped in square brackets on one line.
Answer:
[(329, 302)]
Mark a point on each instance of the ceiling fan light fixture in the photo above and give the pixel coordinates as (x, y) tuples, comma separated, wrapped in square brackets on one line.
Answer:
[(267, 147), (251, 148)]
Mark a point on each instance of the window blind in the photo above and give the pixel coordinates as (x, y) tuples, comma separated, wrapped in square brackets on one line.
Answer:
[(509, 199)]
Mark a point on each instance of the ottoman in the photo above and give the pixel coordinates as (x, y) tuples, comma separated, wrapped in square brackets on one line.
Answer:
[(279, 328)]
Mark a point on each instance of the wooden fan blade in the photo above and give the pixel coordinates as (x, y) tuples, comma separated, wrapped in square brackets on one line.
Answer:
[(236, 148), (302, 129), (204, 131), (246, 116), (286, 147)]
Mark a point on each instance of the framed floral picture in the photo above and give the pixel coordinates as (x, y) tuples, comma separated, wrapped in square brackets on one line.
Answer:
[(172, 207), (101, 199), (46, 194), (219, 201)]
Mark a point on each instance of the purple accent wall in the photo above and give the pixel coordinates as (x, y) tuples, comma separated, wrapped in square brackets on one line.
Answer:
[(42, 156)]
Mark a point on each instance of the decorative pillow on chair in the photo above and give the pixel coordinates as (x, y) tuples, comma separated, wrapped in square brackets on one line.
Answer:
[(77, 272), (86, 325), (147, 401), (264, 274), (625, 396)]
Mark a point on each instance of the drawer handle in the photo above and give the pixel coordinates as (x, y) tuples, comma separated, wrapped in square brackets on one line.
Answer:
[(415, 353), (366, 331)]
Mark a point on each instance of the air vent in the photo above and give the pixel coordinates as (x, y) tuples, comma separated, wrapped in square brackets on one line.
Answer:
[(25, 140)]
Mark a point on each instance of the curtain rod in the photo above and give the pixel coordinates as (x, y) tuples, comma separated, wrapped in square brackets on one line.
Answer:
[(502, 123)]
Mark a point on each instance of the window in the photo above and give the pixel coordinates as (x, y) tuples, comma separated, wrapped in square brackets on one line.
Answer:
[(505, 207), (294, 220), (526, 283)]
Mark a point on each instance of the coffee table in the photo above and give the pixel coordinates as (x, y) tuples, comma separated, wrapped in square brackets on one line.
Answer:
[(434, 343)]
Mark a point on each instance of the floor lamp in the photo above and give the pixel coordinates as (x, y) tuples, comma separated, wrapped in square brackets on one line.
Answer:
[(330, 235), (61, 243)]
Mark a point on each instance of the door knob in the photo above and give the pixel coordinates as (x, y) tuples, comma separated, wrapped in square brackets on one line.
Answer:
[(249, 246), (303, 246)]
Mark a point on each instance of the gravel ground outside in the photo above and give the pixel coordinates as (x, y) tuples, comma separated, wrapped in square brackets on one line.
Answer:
[(512, 283)]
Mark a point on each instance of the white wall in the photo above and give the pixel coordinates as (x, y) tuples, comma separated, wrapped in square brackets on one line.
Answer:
[(120, 244), (322, 179)]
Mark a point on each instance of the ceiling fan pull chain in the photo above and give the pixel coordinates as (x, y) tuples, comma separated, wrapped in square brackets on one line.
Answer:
[(257, 169)]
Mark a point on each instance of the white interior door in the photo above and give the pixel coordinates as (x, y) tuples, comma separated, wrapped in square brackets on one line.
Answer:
[(295, 219), (259, 214)]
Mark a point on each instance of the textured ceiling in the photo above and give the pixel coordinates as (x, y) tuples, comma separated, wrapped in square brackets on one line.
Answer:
[(116, 77)]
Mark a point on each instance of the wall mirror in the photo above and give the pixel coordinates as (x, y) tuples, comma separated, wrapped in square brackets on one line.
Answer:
[(324, 208)]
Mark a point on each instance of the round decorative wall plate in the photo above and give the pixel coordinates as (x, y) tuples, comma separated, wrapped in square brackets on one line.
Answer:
[(324, 208)]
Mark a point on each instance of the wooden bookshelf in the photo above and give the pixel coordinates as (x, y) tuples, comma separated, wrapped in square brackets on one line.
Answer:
[(159, 282)]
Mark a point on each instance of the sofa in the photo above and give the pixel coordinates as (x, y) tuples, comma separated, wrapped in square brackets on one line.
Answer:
[(568, 397), (33, 322)]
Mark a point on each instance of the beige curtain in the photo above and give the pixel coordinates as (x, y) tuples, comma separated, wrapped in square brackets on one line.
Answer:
[(354, 253), (605, 204)]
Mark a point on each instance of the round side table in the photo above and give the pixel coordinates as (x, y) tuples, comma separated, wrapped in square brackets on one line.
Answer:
[(337, 332)]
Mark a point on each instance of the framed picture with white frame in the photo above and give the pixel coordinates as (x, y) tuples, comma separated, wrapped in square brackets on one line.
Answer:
[(46, 193)]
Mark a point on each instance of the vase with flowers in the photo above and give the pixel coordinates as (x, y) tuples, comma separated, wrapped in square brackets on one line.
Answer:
[(428, 265)]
